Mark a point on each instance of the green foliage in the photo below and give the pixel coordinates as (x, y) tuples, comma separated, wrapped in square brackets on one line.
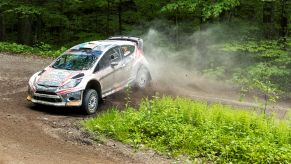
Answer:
[(58, 22), (25, 11), (40, 49), (207, 9), (268, 68), (257, 77), (266, 48), (181, 5), (213, 10), (209, 132)]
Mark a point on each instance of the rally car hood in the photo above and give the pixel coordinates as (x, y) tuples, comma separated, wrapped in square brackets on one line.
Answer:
[(56, 77)]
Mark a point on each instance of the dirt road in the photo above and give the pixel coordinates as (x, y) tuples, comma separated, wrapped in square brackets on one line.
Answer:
[(37, 134), (33, 134)]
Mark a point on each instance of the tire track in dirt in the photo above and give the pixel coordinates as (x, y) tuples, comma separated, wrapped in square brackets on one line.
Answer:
[(22, 89)]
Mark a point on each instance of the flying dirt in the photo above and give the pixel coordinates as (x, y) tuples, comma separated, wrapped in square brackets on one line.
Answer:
[(181, 72)]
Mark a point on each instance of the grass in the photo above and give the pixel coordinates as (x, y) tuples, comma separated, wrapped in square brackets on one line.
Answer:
[(214, 132), (39, 49)]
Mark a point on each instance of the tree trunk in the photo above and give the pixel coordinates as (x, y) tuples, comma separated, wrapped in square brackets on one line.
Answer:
[(119, 17), (268, 19), (284, 19), (107, 17), (2, 27), (177, 28), (25, 35), (37, 29), (96, 22), (61, 32), (25, 31), (62, 6), (201, 27)]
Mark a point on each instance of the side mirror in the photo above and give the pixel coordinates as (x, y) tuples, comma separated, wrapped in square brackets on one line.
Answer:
[(113, 64)]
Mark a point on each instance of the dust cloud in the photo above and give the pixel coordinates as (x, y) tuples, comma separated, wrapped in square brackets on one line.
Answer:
[(181, 67)]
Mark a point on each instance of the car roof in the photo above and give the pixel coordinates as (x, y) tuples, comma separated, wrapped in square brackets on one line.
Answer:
[(101, 45)]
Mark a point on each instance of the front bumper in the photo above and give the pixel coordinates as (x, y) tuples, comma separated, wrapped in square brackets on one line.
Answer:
[(55, 99)]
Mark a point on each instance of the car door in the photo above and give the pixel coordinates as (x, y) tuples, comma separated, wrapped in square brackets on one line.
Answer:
[(105, 72), (128, 61), (119, 71)]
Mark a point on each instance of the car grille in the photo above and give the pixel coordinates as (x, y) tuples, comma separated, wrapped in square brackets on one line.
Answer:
[(47, 99), (46, 88), (46, 92)]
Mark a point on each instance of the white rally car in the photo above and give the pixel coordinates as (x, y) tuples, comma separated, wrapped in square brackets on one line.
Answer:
[(90, 71)]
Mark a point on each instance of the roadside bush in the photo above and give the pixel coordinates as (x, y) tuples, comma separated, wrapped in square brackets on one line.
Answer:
[(209, 132), (40, 49), (266, 68)]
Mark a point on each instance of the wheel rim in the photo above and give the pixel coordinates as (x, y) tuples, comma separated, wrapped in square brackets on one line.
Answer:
[(92, 103), (142, 79)]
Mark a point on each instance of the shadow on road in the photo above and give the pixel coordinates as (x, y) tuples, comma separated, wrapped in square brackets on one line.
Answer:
[(117, 100), (59, 111)]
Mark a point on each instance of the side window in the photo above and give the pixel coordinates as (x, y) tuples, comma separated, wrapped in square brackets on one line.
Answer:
[(105, 60), (115, 57), (61, 60), (111, 55), (127, 50)]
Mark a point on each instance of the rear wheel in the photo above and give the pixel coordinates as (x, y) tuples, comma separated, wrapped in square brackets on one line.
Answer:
[(142, 78), (90, 101)]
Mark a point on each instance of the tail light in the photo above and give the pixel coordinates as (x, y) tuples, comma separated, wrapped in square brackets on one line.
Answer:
[(139, 53)]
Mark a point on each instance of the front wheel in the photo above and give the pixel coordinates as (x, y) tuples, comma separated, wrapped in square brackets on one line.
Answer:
[(142, 78), (90, 101)]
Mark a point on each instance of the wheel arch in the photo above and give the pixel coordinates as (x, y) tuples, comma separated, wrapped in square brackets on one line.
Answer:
[(94, 84), (146, 68)]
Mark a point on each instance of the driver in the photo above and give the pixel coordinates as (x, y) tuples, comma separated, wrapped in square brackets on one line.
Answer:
[(125, 51)]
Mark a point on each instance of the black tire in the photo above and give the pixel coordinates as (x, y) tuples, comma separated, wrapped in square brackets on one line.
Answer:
[(90, 101), (142, 78)]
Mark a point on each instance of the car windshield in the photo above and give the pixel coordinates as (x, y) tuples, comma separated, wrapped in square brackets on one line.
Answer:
[(75, 62)]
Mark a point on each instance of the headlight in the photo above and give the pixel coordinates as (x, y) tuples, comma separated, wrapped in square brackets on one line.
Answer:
[(71, 84), (32, 80)]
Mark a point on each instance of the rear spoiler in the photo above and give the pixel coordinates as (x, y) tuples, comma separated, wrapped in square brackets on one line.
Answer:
[(136, 40)]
